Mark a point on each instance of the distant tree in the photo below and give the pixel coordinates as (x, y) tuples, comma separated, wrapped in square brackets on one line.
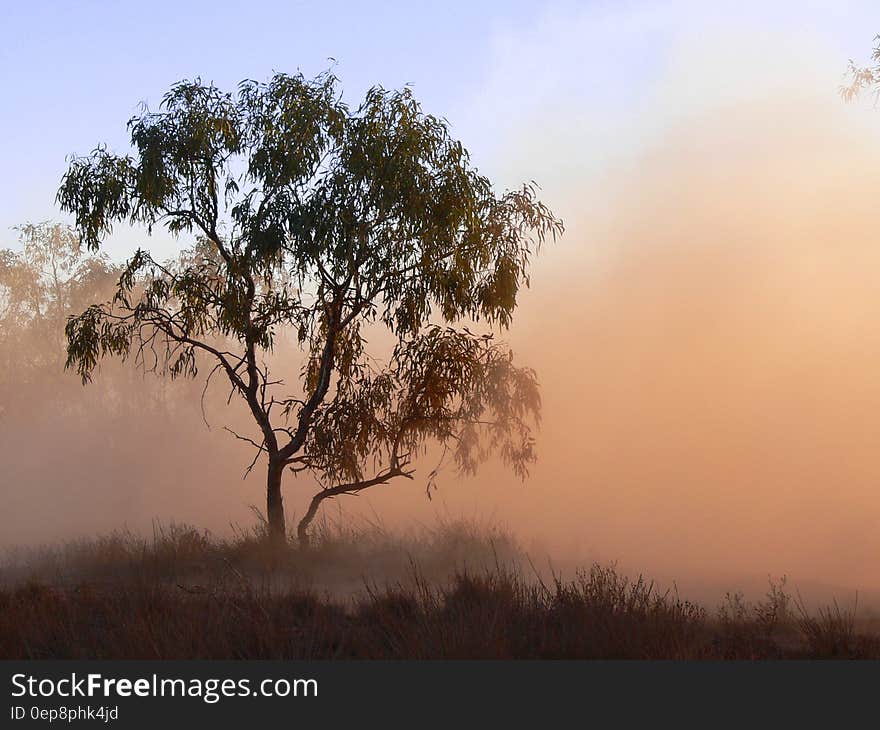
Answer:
[(47, 278), (319, 224)]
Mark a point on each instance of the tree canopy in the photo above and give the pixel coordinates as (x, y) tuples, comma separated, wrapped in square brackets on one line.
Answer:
[(317, 223)]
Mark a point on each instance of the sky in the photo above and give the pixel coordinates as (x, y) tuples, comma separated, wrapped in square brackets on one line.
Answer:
[(704, 331), (74, 72)]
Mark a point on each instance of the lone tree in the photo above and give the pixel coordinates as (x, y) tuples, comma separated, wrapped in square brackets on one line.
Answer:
[(318, 224)]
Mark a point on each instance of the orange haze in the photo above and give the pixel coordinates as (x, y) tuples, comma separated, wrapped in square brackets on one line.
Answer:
[(707, 334)]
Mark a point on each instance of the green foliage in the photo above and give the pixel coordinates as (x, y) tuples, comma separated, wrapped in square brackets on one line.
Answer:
[(324, 221)]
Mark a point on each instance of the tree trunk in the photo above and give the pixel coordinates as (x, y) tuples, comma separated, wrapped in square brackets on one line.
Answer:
[(302, 530), (275, 505)]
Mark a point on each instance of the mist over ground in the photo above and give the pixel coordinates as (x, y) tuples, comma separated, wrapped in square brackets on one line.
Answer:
[(706, 335)]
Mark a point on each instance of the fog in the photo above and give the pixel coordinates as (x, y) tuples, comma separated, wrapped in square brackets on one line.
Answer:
[(709, 352), (706, 335)]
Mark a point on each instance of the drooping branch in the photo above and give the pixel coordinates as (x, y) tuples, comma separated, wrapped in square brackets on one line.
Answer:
[(340, 489)]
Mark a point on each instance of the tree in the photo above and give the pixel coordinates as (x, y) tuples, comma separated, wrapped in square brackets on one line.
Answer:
[(48, 278), (317, 225)]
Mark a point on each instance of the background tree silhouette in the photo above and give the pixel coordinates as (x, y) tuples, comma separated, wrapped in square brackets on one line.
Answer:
[(48, 278), (328, 223)]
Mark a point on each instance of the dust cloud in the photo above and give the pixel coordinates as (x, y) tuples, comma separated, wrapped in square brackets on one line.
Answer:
[(707, 335), (708, 343)]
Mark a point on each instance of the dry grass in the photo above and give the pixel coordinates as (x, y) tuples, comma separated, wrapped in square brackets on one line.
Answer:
[(340, 557), (457, 591)]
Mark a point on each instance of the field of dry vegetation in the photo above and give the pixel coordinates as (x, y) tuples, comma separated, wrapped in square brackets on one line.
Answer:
[(456, 591)]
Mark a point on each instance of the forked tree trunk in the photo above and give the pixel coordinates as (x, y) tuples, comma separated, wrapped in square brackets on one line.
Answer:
[(275, 505), (302, 529)]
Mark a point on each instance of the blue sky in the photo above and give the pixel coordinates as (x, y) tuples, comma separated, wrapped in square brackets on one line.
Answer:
[(73, 72)]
